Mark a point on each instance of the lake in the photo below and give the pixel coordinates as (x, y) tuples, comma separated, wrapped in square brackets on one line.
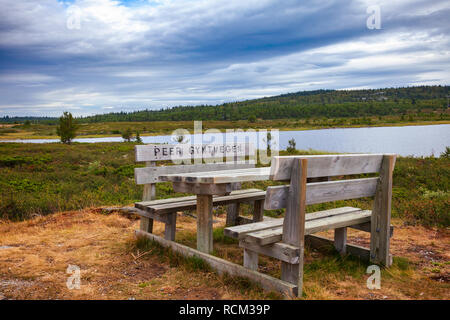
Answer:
[(404, 141)]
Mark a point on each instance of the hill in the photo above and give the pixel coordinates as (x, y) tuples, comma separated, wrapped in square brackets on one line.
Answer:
[(299, 105)]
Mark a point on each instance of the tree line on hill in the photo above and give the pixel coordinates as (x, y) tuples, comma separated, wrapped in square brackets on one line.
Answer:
[(300, 105)]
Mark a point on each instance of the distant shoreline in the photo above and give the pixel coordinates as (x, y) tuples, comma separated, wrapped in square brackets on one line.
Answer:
[(19, 137)]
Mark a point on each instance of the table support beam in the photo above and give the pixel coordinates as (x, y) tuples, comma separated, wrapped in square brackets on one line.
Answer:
[(204, 223)]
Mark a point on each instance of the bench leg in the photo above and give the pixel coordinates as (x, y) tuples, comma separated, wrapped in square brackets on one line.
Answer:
[(293, 273), (233, 209), (149, 194), (204, 223), (258, 211), (381, 215), (232, 214), (340, 240), (250, 259), (146, 224), (294, 224), (170, 228)]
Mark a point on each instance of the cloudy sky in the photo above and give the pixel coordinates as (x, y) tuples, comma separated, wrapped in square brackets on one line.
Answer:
[(97, 56)]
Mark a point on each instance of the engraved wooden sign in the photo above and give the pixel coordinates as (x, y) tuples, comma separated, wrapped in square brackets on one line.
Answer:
[(157, 152)]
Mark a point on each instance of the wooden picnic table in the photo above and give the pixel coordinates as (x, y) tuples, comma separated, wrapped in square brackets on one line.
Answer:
[(207, 184), (284, 238)]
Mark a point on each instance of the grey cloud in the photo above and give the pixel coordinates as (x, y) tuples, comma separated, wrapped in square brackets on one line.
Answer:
[(208, 52)]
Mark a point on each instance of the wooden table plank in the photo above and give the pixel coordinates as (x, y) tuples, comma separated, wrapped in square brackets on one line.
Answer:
[(223, 176)]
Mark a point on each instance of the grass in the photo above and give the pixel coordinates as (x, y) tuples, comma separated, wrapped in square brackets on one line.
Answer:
[(47, 178), (114, 129), (38, 179), (114, 265)]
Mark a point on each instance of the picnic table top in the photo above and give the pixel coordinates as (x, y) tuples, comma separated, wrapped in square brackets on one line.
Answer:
[(220, 176)]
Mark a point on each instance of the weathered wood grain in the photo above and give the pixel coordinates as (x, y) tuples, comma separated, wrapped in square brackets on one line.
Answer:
[(320, 192), (366, 228), (153, 216), (218, 177), (143, 204), (381, 217), (319, 242), (239, 232), (146, 224), (319, 166), (294, 223), (340, 240), (170, 226), (204, 223), (265, 237), (149, 176), (327, 165), (165, 206), (191, 204), (272, 235), (250, 259), (190, 198), (284, 239), (279, 250), (152, 174), (149, 193), (339, 221), (201, 188), (241, 220), (232, 214), (159, 152), (258, 210)]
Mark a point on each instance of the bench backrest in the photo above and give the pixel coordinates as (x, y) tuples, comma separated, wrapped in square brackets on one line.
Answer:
[(217, 157), (321, 166), (295, 196)]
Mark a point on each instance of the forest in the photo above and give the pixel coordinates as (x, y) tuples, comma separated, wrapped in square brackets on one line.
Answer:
[(299, 105)]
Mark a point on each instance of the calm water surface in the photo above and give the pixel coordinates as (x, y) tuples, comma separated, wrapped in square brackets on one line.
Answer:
[(409, 140)]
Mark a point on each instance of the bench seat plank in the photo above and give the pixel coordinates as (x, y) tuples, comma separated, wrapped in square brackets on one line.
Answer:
[(239, 232), (164, 206), (279, 250), (187, 198), (268, 236)]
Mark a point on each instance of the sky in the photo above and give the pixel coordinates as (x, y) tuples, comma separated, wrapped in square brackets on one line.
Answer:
[(89, 57)]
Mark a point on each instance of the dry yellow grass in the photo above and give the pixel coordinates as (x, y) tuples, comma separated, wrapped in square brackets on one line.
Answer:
[(35, 254)]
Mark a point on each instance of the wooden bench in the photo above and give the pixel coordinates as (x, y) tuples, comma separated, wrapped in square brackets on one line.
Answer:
[(165, 210), (284, 239)]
